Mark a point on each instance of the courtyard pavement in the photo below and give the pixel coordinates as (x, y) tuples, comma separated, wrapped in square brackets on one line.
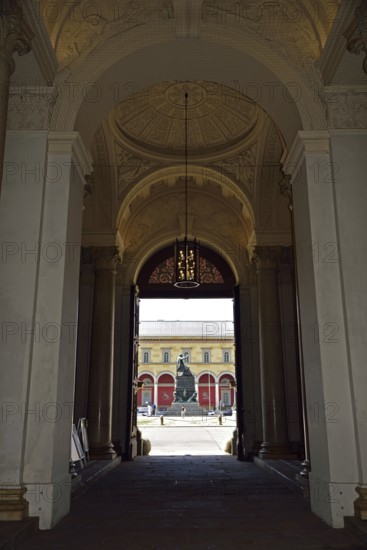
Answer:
[(189, 435)]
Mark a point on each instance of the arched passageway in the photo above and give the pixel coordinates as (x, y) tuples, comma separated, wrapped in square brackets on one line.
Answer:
[(94, 170), (192, 502)]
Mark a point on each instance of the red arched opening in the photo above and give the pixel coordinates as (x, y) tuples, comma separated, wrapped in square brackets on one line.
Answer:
[(207, 391), (226, 390), (146, 392), (166, 387)]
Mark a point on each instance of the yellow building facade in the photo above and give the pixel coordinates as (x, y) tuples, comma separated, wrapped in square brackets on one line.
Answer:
[(209, 350)]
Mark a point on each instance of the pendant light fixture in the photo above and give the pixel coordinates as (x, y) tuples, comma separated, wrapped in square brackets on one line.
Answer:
[(186, 252)]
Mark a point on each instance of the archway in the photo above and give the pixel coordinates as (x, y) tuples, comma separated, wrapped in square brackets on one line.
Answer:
[(158, 350)]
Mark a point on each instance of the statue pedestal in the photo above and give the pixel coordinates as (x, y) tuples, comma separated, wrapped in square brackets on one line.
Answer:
[(185, 388), (192, 409), (185, 396)]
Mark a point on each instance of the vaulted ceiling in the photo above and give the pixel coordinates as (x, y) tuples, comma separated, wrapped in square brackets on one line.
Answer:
[(256, 73)]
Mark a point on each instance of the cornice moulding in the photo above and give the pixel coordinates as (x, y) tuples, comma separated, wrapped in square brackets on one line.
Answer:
[(306, 143), (62, 143), (98, 239)]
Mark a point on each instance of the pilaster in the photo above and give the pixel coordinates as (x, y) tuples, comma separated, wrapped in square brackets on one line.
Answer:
[(315, 172)]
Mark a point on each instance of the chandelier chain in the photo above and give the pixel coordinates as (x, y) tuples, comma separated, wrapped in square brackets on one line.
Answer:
[(186, 176)]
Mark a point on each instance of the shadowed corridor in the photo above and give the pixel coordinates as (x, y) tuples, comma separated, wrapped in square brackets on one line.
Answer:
[(191, 502)]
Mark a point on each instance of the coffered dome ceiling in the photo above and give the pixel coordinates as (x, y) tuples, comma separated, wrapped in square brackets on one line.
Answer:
[(218, 118)]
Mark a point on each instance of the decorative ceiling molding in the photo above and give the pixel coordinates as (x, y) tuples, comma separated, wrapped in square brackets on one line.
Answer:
[(208, 209), (82, 26), (80, 29), (129, 168), (243, 167), (356, 33), (187, 17), (153, 223), (282, 23), (219, 119)]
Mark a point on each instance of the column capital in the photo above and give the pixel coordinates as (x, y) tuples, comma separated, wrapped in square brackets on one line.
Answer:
[(15, 34), (105, 257), (266, 257)]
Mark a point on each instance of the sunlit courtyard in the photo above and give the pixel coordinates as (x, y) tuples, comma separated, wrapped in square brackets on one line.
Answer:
[(187, 436)]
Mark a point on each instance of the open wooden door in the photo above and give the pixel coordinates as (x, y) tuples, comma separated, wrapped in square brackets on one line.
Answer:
[(239, 375), (133, 373)]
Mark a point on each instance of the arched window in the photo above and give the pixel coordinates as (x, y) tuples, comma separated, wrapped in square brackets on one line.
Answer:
[(226, 357), (165, 357), (146, 357), (206, 357)]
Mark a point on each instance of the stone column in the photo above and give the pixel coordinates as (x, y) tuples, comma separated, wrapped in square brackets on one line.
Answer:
[(275, 434), (15, 36), (249, 305), (290, 347), (85, 312), (217, 392), (122, 376), (101, 356)]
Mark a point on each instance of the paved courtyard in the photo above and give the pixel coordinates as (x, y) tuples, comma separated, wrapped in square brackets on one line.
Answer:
[(190, 435)]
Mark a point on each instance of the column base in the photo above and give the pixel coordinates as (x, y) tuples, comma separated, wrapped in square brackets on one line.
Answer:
[(102, 452), (303, 476), (276, 450), (360, 504), (13, 506), (256, 448)]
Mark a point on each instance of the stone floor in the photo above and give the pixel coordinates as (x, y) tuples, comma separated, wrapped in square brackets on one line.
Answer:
[(191, 502)]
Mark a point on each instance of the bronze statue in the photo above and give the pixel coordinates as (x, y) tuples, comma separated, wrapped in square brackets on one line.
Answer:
[(182, 369)]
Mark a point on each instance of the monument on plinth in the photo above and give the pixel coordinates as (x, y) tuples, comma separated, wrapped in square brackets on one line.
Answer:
[(184, 394)]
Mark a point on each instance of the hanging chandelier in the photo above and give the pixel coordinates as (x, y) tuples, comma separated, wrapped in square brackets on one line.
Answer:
[(186, 252)]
